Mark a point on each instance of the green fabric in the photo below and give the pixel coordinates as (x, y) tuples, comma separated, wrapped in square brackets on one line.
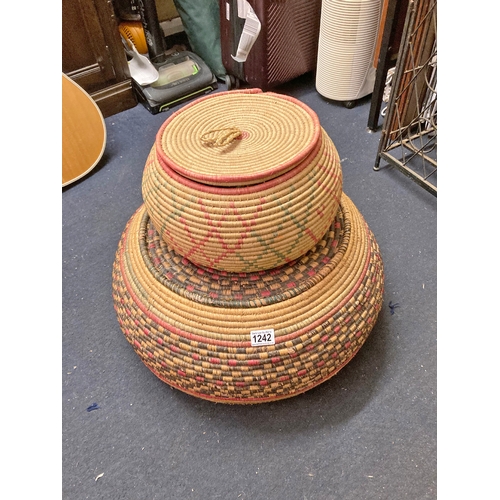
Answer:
[(202, 26)]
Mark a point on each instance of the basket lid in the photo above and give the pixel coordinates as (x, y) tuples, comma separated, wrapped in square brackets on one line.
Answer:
[(238, 138)]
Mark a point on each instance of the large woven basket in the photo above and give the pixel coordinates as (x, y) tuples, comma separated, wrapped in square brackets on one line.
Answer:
[(192, 326), (261, 197)]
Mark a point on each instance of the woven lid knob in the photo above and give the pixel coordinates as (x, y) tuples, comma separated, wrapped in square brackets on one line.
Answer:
[(220, 136)]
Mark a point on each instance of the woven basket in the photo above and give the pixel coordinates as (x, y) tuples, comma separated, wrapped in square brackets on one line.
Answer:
[(191, 326), (288, 198)]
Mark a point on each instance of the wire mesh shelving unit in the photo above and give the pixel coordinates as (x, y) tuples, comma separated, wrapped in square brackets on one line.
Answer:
[(408, 139)]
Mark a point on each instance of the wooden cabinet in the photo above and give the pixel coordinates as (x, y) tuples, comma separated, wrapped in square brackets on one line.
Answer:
[(93, 55)]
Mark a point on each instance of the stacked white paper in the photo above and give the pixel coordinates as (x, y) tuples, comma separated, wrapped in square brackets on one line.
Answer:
[(347, 39)]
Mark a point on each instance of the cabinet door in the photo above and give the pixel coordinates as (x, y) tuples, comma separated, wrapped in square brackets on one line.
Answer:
[(93, 55)]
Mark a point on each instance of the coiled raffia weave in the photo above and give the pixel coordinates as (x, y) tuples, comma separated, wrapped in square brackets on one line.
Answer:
[(191, 325), (263, 135), (242, 181)]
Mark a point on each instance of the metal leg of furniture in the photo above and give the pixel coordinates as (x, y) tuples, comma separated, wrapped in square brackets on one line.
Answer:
[(383, 65)]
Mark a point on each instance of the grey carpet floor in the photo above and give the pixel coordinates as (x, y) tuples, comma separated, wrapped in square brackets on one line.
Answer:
[(368, 433)]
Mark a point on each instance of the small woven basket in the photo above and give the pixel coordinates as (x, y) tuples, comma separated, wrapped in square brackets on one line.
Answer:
[(191, 326), (262, 198)]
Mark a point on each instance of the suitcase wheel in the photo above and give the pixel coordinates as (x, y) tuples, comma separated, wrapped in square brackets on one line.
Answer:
[(232, 82), (349, 104)]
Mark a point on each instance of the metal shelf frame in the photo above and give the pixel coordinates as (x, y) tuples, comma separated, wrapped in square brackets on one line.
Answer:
[(409, 134)]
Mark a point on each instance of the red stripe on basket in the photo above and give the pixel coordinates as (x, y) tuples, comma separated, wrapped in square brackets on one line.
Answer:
[(332, 191), (320, 211), (311, 235), (197, 245)]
